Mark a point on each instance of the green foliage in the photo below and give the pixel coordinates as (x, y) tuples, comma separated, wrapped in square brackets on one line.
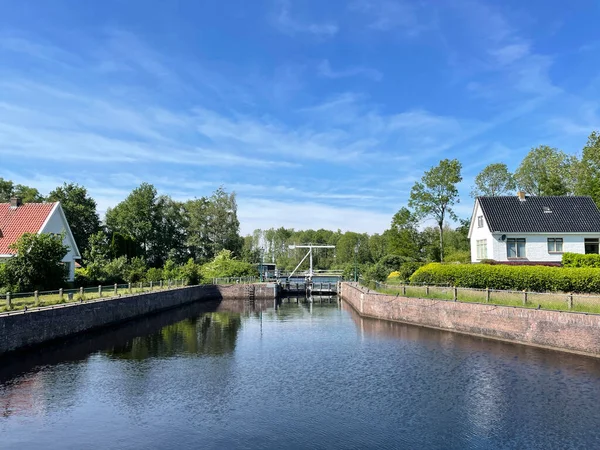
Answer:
[(27, 194), (546, 171), (530, 278), (154, 274), (588, 170), (38, 262), (458, 256), (376, 272), (436, 193), (493, 180), (80, 211), (135, 271), (190, 272), (3, 279), (224, 265), (579, 260)]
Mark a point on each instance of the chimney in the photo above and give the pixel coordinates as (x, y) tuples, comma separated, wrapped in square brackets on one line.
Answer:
[(521, 196), (15, 202)]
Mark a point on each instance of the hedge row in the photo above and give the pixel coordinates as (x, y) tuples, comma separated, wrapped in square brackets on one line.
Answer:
[(579, 260), (519, 278)]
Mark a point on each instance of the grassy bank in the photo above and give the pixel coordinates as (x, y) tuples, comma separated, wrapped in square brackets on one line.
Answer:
[(550, 301)]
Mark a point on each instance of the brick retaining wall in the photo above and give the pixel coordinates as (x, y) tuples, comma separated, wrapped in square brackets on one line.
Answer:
[(23, 329), (575, 332)]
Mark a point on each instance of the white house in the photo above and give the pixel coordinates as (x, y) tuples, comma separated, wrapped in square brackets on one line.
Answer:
[(527, 230), (17, 219)]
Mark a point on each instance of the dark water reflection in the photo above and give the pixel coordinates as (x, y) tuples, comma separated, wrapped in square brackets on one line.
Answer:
[(229, 375)]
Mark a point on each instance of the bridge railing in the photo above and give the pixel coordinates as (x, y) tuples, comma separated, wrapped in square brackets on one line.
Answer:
[(236, 280)]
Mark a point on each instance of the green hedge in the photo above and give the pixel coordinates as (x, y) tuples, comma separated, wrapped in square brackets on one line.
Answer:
[(579, 260), (519, 278)]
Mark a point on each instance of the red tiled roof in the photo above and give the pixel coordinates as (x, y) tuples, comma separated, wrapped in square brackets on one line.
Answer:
[(14, 222)]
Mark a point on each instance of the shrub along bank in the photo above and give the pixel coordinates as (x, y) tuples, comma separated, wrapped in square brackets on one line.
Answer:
[(530, 278), (579, 260)]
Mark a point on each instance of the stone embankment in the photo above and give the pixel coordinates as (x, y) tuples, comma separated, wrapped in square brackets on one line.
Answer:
[(22, 329), (573, 332)]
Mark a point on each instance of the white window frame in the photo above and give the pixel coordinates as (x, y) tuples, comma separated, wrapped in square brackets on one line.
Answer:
[(553, 243), (479, 221), (516, 242), (481, 245)]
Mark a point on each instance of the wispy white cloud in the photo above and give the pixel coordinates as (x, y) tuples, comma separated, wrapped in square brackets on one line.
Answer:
[(285, 22), (324, 69), (392, 15)]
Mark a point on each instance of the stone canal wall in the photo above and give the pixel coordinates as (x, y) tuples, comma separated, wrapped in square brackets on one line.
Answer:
[(574, 332), (22, 329)]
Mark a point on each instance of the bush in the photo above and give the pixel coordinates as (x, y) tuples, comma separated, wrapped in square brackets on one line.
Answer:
[(407, 269), (530, 278), (458, 256), (579, 260), (82, 277), (190, 272), (154, 274)]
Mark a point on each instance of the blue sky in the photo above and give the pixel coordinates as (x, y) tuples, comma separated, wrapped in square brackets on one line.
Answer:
[(317, 114)]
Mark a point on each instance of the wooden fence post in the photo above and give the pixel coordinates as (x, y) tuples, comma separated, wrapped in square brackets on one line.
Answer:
[(116, 289), (81, 293), (455, 293), (404, 290), (161, 284), (571, 300), (100, 290), (487, 295), (129, 287), (60, 295), (36, 295), (524, 297), (8, 301), (426, 291)]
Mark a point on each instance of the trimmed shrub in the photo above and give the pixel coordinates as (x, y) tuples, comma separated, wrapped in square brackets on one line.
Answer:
[(579, 260), (519, 278)]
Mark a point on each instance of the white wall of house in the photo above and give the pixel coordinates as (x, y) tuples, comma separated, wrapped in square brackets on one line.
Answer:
[(56, 224), (480, 234), (536, 246)]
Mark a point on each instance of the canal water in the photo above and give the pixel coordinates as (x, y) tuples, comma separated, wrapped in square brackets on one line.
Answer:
[(295, 375)]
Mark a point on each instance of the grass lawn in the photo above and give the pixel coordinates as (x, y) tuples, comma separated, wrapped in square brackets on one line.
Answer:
[(19, 301), (548, 301)]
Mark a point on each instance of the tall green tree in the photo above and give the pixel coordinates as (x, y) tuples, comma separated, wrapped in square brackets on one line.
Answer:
[(80, 210), (436, 193), (494, 180), (403, 236), (588, 169), (38, 262), (546, 171), (27, 194), (135, 217)]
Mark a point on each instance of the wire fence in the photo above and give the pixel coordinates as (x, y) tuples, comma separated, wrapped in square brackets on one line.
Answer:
[(558, 301), (236, 280), (26, 300)]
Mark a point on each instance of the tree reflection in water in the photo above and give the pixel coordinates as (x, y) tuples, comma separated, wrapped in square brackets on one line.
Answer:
[(213, 333)]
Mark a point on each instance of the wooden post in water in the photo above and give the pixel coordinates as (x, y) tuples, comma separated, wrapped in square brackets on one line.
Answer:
[(36, 296)]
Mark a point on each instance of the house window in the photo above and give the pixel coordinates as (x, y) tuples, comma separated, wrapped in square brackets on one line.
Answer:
[(555, 245), (592, 246), (480, 222), (515, 248), (482, 249)]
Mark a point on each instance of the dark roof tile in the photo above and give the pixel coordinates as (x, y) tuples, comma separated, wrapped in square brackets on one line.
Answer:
[(568, 214)]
